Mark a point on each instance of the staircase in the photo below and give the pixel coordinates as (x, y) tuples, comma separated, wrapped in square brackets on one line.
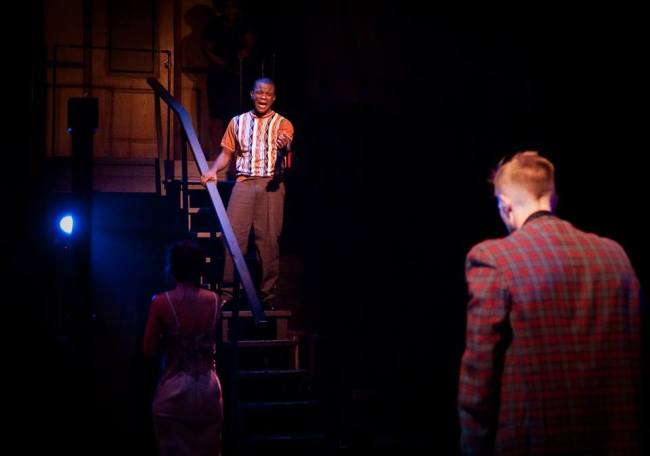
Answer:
[(271, 401), (273, 405)]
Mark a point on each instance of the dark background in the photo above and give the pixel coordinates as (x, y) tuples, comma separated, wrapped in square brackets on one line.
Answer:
[(400, 115)]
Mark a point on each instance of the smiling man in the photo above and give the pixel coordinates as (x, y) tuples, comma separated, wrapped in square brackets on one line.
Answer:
[(257, 139)]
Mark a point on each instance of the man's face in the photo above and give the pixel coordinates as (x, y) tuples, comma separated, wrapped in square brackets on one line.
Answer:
[(263, 96)]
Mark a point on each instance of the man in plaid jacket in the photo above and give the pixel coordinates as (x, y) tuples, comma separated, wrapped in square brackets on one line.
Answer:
[(552, 355)]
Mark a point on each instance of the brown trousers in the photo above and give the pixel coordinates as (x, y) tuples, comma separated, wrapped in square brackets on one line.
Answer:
[(255, 205)]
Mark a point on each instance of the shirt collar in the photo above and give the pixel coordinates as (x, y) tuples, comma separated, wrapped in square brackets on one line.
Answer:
[(538, 214)]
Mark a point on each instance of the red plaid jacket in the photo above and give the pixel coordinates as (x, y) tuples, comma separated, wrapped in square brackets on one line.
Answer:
[(552, 355)]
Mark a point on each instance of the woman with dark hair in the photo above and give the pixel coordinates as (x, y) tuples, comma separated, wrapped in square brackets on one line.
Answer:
[(187, 406)]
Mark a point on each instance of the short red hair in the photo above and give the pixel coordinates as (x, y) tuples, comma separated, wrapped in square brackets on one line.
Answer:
[(528, 170)]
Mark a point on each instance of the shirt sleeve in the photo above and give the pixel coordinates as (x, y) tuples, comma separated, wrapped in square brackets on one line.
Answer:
[(229, 139), (286, 127)]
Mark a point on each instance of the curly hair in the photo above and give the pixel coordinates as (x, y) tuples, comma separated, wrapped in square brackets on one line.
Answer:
[(186, 261)]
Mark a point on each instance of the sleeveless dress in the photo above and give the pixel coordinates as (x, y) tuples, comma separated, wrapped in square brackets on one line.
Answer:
[(188, 406)]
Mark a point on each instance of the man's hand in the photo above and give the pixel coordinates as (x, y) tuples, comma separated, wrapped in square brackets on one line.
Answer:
[(283, 140), (208, 177)]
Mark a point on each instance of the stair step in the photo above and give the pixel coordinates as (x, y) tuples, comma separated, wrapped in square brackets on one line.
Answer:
[(269, 405), (276, 385), (313, 437), (199, 196), (264, 354), (286, 437), (312, 444), (276, 417), (277, 327), (275, 343), (203, 219), (277, 373), (249, 314)]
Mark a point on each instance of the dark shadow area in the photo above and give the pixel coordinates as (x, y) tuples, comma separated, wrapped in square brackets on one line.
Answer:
[(99, 387), (401, 115)]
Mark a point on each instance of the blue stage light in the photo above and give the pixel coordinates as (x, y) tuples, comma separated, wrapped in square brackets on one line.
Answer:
[(66, 224)]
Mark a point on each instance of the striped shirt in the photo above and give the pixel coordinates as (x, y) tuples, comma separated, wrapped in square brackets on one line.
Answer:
[(253, 140)]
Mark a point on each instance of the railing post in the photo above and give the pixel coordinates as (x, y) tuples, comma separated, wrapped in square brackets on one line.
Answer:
[(160, 165)]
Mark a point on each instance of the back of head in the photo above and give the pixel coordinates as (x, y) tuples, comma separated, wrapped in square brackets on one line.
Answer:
[(186, 261), (527, 171)]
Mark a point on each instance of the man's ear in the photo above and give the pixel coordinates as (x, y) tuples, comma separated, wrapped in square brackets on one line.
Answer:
[(505, 204), (252, 95)]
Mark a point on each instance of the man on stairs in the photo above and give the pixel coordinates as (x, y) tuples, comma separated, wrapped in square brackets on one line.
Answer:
[(258, 139)]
